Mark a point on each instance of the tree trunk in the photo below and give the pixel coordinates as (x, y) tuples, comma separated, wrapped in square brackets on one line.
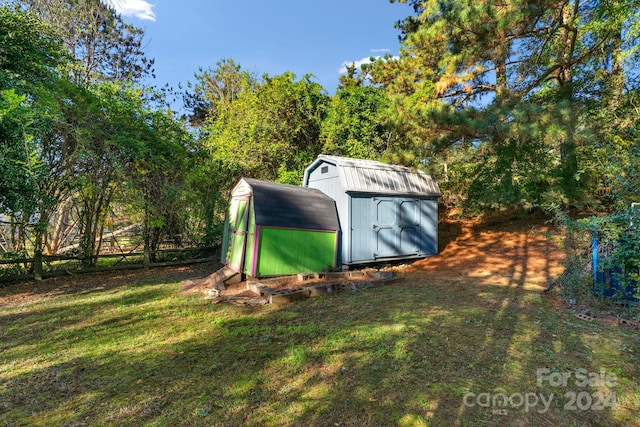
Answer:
[(616, 83), (59, 228), (40, 231), (568, 154)]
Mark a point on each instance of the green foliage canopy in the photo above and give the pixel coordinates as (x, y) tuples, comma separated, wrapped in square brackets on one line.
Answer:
[(270, 130), (511, 84), (29, 56), (356, 123)]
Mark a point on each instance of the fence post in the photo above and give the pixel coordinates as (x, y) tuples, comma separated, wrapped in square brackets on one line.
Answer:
[(37, 266), (146, 258)]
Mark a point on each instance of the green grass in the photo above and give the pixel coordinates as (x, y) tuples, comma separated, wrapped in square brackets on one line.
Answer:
[(404, 354)]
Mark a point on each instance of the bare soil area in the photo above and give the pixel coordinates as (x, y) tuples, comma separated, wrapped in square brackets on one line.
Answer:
[(502, 249)]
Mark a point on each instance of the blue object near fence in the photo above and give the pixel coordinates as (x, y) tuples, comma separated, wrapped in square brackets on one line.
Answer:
[(606, 281)]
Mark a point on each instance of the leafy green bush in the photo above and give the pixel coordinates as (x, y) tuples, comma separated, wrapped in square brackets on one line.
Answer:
[(7, 270), (618, 253)]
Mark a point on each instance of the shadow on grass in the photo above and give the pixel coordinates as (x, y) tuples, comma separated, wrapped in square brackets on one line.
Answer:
[(415, 353)]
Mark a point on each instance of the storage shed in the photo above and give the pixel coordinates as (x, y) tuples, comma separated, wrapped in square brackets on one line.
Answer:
[(277, 229), (386, 212)]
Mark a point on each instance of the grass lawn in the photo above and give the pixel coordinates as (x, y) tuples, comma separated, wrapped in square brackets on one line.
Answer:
[(439, 352)]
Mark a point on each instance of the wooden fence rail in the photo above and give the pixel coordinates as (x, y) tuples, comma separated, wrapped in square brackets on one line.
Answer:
[(36, 265)]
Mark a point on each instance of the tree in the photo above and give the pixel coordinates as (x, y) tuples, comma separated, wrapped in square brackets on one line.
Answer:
[(78, 137), (211, 175), (513, 79), (215, 89), (356, 124), (160, 175), (29, 86), (102, 45), (123, 146), (85, 148), (271, 131)]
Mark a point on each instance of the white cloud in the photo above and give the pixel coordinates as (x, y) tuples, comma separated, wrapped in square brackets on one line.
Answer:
[(139, 8), (360, 62)]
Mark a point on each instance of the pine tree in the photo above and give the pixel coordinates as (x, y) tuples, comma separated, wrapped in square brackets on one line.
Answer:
[(510, 78)]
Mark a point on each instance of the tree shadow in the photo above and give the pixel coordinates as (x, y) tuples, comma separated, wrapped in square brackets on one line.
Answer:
[(414, 353), (448, 232)]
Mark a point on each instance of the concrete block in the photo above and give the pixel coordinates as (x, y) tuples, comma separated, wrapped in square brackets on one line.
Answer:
[(279, 299), (356, 273), (383, 274), (298, 295), (265, 291), (254, 286)]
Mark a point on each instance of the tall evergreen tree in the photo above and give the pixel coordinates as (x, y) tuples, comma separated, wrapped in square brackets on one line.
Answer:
[(510, 78)]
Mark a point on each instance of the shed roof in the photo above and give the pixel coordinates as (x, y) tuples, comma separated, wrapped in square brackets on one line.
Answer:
[(290, 206), (370, 176)]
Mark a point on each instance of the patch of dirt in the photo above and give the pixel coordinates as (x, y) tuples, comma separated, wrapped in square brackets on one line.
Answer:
[(503, 249), (238, 290)]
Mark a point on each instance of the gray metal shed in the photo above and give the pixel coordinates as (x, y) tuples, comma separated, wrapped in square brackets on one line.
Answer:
[(386, 212)]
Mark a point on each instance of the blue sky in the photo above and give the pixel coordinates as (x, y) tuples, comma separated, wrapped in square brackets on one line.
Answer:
[(305, 37)]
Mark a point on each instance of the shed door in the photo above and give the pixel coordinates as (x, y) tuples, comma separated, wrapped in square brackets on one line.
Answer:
[(396, 227), (385, 227), (238, 223), (409, 219)]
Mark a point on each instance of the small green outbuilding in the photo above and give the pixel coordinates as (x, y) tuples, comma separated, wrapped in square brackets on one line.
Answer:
[(278, 229)]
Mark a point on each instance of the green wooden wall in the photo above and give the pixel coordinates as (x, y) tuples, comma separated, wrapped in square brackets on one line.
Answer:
[(286, 251)]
